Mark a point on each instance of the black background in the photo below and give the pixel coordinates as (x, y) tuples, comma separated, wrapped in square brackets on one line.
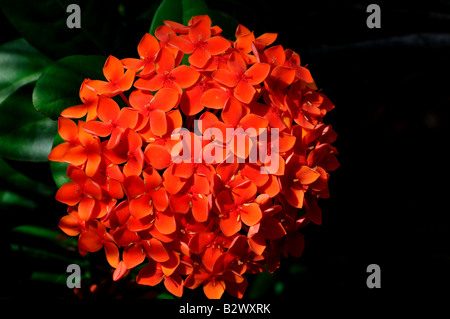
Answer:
[(389, 198)]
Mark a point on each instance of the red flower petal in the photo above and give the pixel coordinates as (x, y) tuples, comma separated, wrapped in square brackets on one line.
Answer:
[(165, 99), (295, 244), (182, 44), (184, 170), (165, 61), (69, 225), (200, 32), (113, 69), (271, 228), (136, 225), (266, 39), (76, 111), (141, 207), (156, 250), (250, 214), (133, 256), (152, 178), (236, 64), (199, 57), (271, 187), (120, 271), (295, 195), (226, 77), (244, 92), (153, 83), (174, 284), (133, 166), (148, 46), (173, 184), (257, 73), (313, 211), (233, 112), (283, 75), (97, 128), (89, 241), (257, 243), (160, 199), (200, 241), (58, 152), (67, 129), (92, 164), (231, 223), (200, 208), (165, 222), (69, 194), (108, 110), (112, 254), (185, 76), (179, 203), (157, 156), (190, 102), (214, 289), (224, 202), (307, 175), (149, 275), (134, 64), (217, 45), (215, 98), (133, 186), (200, 185), (127, 118), (253, 172), (126, 81), (275, 55), (85, 207), (158, 122)]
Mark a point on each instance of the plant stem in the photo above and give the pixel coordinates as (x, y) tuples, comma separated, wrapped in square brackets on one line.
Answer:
[(124, 98)]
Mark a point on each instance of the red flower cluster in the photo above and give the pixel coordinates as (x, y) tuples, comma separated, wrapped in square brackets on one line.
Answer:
[(195, 223)]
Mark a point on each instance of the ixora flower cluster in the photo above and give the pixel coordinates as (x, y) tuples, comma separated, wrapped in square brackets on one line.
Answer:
[(196, 222)]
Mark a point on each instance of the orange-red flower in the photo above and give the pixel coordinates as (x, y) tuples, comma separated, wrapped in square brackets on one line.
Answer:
[(80, 148), (199, 44), (154, 107), (89, 97), (147, 48), (240, 78), (117, 79), (82, 191), (114, 121), (191, 201), (237, 207), (167, 75)]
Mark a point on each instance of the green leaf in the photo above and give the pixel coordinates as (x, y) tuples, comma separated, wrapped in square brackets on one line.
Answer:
[(168, 10), (262, 284), (193, 8), (165, 295), (24, 232), (27, 137), (20, 64), (18, 182), (45, 276), (11, 199), (44, 24), (59, 86), (37, 231)]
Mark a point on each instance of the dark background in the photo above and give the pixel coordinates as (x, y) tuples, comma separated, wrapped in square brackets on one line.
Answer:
[(389, 198)]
